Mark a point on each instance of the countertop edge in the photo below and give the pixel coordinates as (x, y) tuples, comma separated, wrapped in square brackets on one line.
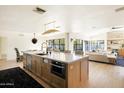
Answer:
[(68, 62)]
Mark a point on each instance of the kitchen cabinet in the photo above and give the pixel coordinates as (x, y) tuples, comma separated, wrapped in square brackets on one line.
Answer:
[(58, 73), (33, 68), (36, 65), (57, 81), (29, 62), (45, 67), (84, 66), (24, 61), (73, 74), (77, 73)]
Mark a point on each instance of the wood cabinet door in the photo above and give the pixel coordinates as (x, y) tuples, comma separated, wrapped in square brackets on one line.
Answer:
[(33, 69), (29, 62), (45, 69), (24, 60), (38, 66)]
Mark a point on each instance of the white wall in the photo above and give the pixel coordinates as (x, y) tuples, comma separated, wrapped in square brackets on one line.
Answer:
[(3, 47), (0, 47), (102, 36), (21, 42)]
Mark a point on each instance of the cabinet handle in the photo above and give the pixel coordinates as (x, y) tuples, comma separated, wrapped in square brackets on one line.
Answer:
[(57, 66)]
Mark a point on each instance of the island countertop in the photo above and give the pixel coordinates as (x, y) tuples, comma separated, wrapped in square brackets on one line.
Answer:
[(58, 56)]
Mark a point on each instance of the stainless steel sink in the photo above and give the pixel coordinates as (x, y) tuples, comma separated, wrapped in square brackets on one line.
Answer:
[(41, 54)]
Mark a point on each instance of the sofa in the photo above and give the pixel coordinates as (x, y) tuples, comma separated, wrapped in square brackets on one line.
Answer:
[(94, 56)]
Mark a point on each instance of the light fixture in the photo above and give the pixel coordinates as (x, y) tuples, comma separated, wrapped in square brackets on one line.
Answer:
[(50, 30), (34, 40)]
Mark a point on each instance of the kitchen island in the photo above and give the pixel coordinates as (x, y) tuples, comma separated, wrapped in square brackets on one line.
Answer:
[(58, 69)]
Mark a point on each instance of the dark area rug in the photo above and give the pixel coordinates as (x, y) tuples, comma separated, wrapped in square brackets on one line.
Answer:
[(17, 78), (120, 61)]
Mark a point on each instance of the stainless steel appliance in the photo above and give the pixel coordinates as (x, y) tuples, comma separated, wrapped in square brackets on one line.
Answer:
[(58, 68)]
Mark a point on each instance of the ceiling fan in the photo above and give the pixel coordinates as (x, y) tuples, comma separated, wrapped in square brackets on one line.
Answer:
[(39, 10)]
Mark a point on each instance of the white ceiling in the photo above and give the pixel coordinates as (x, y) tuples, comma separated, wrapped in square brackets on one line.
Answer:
[(82, 19)]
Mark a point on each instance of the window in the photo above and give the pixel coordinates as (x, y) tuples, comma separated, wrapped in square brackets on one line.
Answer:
[(78, 45), (87, 46), (61, 44), (57, 43), (94, 45)]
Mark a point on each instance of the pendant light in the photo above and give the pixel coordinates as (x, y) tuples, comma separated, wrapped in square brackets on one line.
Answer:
[(34, 40), (51, 30)]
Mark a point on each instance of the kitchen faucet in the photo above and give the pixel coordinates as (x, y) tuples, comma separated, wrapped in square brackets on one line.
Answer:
[(46, 46)]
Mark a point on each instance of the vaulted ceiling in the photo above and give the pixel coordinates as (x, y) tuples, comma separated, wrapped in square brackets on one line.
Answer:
[(82, 19)]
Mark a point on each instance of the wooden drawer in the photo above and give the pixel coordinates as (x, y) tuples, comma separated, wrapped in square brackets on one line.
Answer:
[(57, 82)]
